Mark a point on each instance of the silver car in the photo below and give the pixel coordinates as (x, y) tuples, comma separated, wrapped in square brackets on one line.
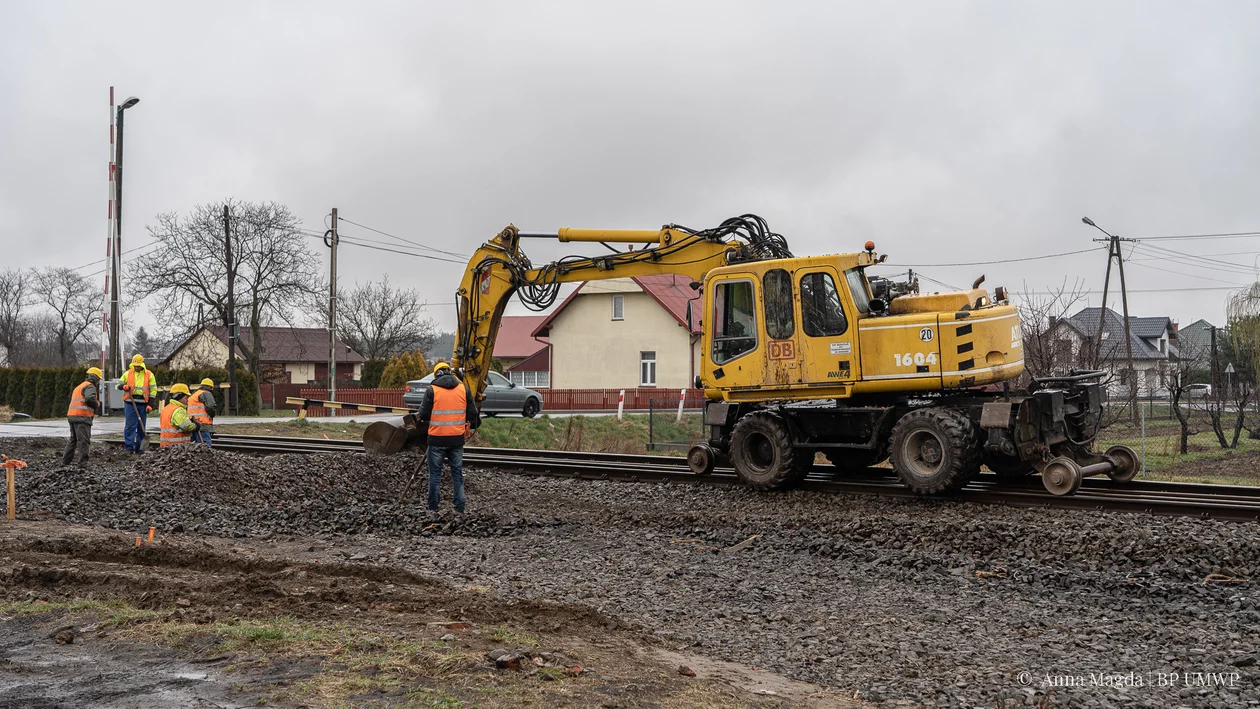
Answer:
[(502, 396)]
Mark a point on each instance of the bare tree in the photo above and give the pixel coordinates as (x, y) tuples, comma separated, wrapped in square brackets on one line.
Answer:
[(13, 301), (75, 304), (379, 321), (1180, 375), (276, 271), (1044, 350)]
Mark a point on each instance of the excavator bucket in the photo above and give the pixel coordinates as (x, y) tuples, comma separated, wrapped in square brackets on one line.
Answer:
[(382, 438)]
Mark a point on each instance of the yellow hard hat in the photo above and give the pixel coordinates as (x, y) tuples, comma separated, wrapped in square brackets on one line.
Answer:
[(137, 359), (96, 371), (207, 383), (441, 365), (180, 388)]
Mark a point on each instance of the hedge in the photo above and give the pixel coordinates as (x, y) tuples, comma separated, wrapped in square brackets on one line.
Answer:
[(372, 370), (44, 392)]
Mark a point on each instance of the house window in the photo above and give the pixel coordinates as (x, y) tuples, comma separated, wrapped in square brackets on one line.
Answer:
[(619, 307), (1163, 346), (776, 292), (1124, 377), (736, 331), (821, 313), (531, 380), (647, 369)]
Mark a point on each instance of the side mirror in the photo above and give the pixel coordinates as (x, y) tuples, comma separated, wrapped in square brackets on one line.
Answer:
[(511, 385), (690, 327)]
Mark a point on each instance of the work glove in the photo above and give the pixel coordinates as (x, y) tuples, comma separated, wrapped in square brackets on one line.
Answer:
[(126, 388), (196, 427), (148, 409)]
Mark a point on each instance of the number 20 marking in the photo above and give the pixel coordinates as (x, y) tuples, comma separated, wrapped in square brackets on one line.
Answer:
[(918, 358)]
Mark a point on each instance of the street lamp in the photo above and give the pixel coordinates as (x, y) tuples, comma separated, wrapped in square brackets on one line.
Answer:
[(115, 350)]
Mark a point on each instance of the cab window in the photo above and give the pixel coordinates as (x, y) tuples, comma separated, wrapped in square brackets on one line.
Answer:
[(735, 333), (821, 312), (860, 289), (776, 294)]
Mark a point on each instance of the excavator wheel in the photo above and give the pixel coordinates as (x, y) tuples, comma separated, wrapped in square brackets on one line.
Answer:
[(761, 449), (1007, 467), (934, 450)]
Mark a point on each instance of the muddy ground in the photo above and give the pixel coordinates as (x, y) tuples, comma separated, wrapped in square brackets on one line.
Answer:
[(878, 602)]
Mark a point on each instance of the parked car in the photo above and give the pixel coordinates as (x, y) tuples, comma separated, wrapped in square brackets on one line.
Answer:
[(502, 396), (1198, 391)]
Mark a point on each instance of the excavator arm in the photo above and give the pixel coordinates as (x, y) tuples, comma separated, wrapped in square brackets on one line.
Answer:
[(500, 269)]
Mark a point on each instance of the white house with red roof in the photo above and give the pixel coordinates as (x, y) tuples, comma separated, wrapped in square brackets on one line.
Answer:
[(624, 333)]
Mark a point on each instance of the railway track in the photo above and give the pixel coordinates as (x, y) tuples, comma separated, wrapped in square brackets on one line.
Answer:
[(1225, 502)]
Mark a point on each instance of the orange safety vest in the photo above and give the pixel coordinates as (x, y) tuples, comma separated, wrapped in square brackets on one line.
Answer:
[(171, 434), (141, 392), (450, 408), (78, 404), (197, 408)]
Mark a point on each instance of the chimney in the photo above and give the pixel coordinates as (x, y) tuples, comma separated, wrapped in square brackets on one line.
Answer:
[(1175, 329), (1054, 320)]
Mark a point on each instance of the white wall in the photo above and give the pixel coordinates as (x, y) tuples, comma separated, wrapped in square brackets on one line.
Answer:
[(590, 350)]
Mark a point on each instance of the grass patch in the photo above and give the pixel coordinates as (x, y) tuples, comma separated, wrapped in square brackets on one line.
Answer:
[(507, 637), (1165, 461)]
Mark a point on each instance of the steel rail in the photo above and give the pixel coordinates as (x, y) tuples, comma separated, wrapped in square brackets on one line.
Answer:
[(1225, 502)]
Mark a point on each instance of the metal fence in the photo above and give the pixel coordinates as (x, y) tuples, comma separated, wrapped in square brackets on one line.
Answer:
[(672, 428)]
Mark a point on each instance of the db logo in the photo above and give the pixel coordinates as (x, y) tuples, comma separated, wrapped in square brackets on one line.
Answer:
[(926, 334), (782, 350)]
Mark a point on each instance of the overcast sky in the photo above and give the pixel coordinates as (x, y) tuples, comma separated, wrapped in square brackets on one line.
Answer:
[(945, 132)]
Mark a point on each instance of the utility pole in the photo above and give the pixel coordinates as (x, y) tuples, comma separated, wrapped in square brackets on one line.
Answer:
[(1216, 370), (331, 240), (1114, 252), (233, 400)]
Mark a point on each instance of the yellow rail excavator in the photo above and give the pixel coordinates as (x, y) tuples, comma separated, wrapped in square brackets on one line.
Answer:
[(809, 355)]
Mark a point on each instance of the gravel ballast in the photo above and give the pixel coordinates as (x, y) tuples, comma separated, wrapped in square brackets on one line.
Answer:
[(933, 603)]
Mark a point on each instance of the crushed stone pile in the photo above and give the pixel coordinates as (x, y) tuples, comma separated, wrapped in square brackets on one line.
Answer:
[(201, 490)]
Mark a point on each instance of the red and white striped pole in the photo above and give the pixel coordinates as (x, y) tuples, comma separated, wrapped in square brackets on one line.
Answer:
[(621, 403), (682, 398), (109, 240)]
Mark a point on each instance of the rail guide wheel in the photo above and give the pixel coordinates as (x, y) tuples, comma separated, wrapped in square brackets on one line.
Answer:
[(701, 459), (1062, 476), (1126, 461)]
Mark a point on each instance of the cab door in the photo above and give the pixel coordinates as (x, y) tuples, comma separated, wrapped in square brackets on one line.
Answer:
[(783, 350), (733, 358), (828, 327)]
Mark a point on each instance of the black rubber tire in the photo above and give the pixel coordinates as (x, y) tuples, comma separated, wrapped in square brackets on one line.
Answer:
[(1007, 467), (855, 459), (531, 408), (934, 450), (762, 452)]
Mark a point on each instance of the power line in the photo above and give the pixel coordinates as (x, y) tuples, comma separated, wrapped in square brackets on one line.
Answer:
[(1194, 259), (405, 241), (1230, 235), (1188, 275), (1009, 260)]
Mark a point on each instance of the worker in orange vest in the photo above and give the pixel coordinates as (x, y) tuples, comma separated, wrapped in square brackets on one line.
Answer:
[(83, 404), (139, 387), (201, 409), (451, 413), (177, 427)]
